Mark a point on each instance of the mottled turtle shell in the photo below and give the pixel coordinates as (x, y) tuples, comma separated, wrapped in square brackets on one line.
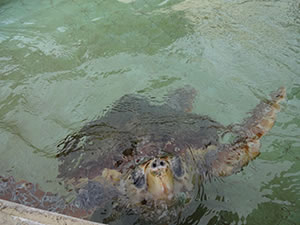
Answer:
[(147, 159), (133, 131)]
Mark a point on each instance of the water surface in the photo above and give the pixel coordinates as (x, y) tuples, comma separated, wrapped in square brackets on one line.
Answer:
[(63, 62)]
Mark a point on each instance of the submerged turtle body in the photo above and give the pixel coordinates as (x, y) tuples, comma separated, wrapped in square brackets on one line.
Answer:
[(149, 157), (141, 153), (138, 150)]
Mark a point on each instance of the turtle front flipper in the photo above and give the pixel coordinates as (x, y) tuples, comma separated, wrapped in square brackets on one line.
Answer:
[(29, 194), (232, 157), (94, 195)]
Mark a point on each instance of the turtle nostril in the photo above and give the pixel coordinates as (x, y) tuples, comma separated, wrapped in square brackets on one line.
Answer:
[(154, 165), (162, 163)]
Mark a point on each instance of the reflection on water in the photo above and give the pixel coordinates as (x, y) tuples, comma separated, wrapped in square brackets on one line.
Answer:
[(63, 62)]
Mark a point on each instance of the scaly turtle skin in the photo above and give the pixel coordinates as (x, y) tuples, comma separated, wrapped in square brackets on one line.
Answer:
[(146, 157)]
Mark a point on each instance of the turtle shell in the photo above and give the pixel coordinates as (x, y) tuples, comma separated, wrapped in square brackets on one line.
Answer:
[(133, 131)]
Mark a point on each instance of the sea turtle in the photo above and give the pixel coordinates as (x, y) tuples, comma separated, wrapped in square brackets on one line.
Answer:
[(147, 158)]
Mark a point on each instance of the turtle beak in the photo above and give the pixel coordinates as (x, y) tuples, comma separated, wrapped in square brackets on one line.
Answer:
[(160, 182)]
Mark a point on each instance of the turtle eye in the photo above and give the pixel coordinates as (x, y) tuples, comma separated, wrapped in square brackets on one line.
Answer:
[(162, 163), (154, 165), (138, 178), (177, 167)]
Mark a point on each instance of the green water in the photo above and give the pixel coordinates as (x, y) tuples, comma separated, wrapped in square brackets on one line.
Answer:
[(62, 62)]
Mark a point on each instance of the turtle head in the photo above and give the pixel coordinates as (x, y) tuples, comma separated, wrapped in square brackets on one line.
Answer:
[(159, 178)]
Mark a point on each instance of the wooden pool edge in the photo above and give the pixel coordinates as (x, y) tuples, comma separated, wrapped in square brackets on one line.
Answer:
[(16, 214)]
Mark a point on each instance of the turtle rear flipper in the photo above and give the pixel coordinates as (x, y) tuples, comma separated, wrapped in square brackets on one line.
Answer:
[(182, 99), (230, 158)]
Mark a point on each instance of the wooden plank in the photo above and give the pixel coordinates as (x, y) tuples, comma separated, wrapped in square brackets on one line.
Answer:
[(16, 214)]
